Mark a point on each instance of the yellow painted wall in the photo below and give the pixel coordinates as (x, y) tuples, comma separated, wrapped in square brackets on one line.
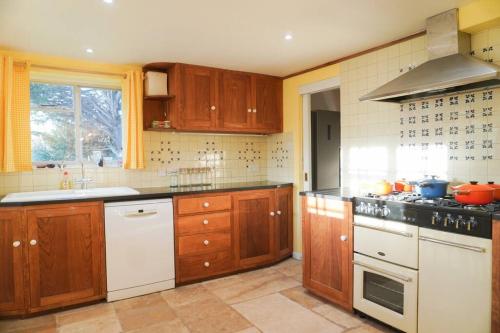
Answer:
[(479, 15), (78, 64), (292, 122)]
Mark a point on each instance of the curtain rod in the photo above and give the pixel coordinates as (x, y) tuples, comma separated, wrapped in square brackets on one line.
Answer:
[(72, 70)]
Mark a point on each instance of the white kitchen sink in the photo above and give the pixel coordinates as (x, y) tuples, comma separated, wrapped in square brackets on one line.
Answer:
[(68, 194)]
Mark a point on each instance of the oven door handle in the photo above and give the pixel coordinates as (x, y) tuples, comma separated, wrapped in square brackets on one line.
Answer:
[(399, 233), (461, 246), (383, 271)]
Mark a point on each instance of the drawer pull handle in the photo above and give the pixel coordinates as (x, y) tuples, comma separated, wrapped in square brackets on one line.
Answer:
[(206, 204), (33, 242), (16, 243), (205, 222), (212, 108), (271, 213), (206, 242), (206, 264), (343, 238), (249, 110)]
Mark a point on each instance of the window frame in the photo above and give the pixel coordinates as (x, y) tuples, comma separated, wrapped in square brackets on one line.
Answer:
[(77, 109)]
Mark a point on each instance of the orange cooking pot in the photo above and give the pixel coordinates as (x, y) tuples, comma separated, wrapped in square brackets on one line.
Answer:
[(496, 187), (473, 194), (383, 187)]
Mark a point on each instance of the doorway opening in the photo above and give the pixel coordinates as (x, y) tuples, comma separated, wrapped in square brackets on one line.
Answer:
[(326, 94), (325, 140)]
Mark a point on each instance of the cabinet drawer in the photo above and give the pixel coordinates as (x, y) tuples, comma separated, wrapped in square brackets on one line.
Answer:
[(204, 243), (196, 267), (203, 204), (203, 223)]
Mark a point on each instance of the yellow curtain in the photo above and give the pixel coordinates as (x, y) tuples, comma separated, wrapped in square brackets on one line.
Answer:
[(133, 154), (15, 132)]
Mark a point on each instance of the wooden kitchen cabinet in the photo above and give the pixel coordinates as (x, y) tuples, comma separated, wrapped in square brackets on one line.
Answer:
[(66, 254), (216, 100), (255, 221), (199, 98), (51, 256), (236, 101), (327, 249), (495, 313), (236, 231), (284, 221), (267, 101), (12, 261)]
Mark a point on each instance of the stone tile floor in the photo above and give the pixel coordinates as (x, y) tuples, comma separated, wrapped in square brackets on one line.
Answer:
[(265, 300)]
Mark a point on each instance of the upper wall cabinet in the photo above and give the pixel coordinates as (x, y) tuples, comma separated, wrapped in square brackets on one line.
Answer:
[(204, 99), (199, 97)]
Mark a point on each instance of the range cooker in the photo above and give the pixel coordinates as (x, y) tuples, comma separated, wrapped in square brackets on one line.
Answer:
[(423, 265)]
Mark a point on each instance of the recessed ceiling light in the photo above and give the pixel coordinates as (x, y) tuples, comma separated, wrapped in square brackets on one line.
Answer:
[(89, 50), (288, 37), (108, 1)]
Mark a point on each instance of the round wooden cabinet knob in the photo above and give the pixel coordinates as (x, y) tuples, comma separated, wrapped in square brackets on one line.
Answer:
[(343, 238), (212, 108), (206, 242), (278, 212), (206, 204), (254, 110), (271, 213), (205, 222), (33, 242), (206, 264), (249, 110), (16, 243)]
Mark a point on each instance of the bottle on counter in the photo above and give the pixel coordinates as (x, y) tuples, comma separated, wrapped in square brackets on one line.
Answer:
[(66, 182)]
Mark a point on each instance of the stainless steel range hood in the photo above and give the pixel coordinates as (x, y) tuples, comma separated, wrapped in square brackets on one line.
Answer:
[(450, 68)]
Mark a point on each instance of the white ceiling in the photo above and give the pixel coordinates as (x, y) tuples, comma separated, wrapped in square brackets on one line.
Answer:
[(235, 34)]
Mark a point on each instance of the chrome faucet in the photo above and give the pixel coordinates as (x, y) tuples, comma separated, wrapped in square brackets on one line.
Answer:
[(83, 181)]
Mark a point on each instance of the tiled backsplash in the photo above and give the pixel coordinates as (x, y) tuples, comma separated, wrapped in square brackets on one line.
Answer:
[(235, 158), (455, 136)]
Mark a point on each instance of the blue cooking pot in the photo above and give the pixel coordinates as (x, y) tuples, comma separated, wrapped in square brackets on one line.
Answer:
[(432, 188)]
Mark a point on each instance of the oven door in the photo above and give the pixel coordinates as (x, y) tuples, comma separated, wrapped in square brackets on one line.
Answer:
[(386, 292)]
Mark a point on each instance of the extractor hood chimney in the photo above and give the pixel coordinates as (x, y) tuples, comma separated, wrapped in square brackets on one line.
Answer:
[(450, 68)]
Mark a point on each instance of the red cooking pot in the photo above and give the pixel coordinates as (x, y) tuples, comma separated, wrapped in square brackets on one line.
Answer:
[(473, 194), (496, 187)]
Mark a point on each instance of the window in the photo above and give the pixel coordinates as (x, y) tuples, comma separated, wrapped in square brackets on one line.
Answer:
[(75, 123)]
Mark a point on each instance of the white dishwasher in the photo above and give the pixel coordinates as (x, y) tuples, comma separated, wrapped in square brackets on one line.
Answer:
[(139, 247)]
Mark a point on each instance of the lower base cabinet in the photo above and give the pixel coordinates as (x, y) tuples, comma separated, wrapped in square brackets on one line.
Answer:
[(495, 313), (327, 249), (228, 232), (53, 256)]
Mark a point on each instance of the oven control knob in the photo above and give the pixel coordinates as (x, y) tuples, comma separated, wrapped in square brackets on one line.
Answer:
[(361, 208), (459, 222), (370, 209), (436, 218), (471, 224), (448, 220), (385, 211)]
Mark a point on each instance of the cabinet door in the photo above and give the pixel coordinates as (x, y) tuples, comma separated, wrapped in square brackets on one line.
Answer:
[(254, 227), (235, 104), (327, 241), (199, 107), (284, 221), (66, 254), (267, 114), (12, 247)]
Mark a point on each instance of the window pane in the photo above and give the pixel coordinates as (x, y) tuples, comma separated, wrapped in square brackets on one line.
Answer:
[(101, 124), (52, 122)]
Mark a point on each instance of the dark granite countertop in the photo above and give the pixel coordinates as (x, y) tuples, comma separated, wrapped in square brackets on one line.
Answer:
[(496, 216), (343, 194), (162, 192)]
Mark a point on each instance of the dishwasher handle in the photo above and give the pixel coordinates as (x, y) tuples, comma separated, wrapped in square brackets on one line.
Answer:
[(141, 213)]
